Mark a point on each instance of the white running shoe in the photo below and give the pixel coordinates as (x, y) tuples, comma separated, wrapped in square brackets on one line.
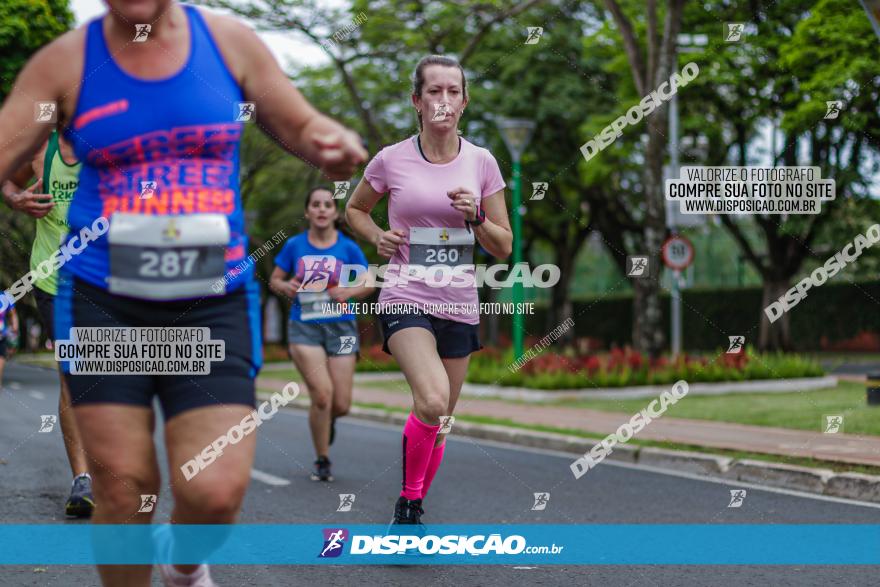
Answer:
[(171, 577)]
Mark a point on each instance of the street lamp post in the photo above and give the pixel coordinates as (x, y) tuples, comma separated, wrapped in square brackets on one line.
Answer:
[(516, 133), (685, 43)]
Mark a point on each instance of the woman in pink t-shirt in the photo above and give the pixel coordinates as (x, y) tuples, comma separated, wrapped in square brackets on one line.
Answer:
[(444, 194)]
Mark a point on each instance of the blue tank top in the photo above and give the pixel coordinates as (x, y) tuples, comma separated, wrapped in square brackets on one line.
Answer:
[(178, 134)]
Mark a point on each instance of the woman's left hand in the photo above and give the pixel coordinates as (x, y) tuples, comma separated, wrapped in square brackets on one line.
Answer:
[(339, 294), (464, 201)]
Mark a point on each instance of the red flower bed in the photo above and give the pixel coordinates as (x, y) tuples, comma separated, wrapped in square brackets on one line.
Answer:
[(623, 358)]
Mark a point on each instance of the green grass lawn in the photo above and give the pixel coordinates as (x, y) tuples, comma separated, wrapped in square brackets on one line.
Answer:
[(286, 374), (735, 454), (801, 410)]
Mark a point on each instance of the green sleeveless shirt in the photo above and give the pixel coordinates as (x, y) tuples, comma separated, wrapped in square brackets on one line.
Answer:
[(60, 181)]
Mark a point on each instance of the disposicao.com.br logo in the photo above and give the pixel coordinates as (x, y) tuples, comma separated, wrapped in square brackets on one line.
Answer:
[(430, 544)]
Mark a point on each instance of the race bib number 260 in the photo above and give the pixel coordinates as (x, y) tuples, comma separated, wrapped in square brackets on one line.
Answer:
[(440, 246)]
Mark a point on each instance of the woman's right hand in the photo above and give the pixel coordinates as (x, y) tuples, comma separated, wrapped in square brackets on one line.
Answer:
[(389, 241), (288, 288)]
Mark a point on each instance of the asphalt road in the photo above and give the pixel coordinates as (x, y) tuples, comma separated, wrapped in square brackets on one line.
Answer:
[(479, 483)]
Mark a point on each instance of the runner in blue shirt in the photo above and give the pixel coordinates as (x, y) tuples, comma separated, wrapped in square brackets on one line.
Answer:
[(323, 342)]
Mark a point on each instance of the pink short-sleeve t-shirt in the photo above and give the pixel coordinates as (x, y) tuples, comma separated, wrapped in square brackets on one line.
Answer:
[(417, 198)]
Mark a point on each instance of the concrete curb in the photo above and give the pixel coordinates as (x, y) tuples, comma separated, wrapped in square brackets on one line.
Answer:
[(528, 394), (700, 388), (780, 475), (679, 460), (807, 479)]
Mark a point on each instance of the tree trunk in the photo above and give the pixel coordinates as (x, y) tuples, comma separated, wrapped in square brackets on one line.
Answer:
[(647, 317), (775, 336), (561, 307)]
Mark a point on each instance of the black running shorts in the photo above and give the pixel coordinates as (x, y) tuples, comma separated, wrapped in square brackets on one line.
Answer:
[(235, 318), (454, 339)]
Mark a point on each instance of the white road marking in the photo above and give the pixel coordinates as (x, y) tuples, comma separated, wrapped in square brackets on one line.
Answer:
[(37, 394), (268, 479), (645, 468)]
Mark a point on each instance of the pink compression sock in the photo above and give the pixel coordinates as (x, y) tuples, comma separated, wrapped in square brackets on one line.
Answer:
[(433, 465), (418, 444)]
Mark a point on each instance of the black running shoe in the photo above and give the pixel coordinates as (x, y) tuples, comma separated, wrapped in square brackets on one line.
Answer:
[(408, 512), (81, 502), (322, 470), (332, 430), (407, 521)]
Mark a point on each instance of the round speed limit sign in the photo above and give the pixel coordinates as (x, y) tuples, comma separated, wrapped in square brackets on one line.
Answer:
[(677, 252)]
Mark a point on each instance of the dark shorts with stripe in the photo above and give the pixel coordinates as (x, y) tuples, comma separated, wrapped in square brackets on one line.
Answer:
[(454, 339), (234, 318)]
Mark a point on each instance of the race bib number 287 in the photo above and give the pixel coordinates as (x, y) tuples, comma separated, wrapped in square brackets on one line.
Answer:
[(167, 257)]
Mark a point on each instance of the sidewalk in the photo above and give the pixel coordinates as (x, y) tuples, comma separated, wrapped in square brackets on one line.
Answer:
[(845, 448)]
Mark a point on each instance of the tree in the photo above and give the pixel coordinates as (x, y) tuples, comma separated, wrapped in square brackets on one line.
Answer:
[(782, 76), (651, 62)]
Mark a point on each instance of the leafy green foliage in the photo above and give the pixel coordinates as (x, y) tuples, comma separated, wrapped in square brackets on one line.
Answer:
[(25, 26), (624, 368)]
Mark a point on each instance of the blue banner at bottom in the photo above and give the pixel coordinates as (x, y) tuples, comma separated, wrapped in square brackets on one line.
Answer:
[(632, 544)]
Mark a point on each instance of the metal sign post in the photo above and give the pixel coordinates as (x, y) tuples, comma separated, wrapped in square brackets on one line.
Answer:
[(677, 254)]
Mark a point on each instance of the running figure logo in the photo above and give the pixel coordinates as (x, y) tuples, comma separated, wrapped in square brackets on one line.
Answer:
[(734, 32), (246, 112), (636, 266), (736, 344), (340, 189), (539, 190), (441, 110), (148, 502), (346, 345), (833, 108), (45, 112), (148, 188), (171, 232), (317, 270), (47, 423), (334, 542), (141, 32), (541, 500), (346, 500), (533, 35), (446, 423), (833, 424), (737, 496)]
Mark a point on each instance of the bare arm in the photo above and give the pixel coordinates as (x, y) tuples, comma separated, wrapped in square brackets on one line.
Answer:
[(278, 282), (282, 111), (52, 74), (357, 214), (20, 134), (495, 234)]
